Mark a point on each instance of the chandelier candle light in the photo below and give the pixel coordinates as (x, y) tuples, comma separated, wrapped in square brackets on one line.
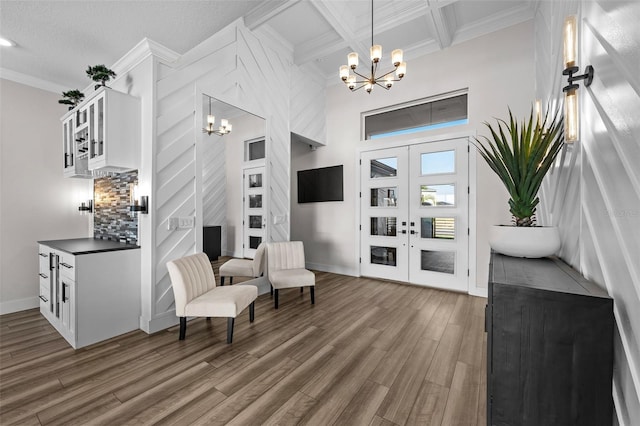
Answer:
[(225, 126), (385, 80)]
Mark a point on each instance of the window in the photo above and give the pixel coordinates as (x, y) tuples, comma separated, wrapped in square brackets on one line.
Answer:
[(417, 117), (254, 149)]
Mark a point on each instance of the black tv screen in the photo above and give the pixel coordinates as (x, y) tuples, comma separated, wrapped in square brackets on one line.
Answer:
[(318, 185)]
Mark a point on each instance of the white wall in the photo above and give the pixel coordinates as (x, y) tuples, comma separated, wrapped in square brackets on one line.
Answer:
[(497, 69), (37, 203), (593, 194)]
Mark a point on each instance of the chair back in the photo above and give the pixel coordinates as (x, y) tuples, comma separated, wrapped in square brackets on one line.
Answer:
[(191, 276), (258, 260), (285, 255)]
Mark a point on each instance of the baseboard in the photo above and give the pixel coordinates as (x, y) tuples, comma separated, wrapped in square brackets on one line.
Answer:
[(12, 306), (480, 292), (159, 323), (332, 268)]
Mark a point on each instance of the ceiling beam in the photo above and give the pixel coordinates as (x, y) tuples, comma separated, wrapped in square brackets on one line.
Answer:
[(437, 19), (336, 19), (265, 11)]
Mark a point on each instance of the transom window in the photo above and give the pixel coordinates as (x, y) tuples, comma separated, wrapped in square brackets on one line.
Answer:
[(417, 117)]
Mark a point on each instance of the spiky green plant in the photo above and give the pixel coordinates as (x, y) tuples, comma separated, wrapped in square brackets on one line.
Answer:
[(521, 154), (100, 74)]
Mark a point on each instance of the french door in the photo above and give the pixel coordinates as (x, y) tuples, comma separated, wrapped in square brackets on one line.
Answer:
[(415, 214), (254, 210)]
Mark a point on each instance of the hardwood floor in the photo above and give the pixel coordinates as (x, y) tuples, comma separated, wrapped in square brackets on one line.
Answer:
[(368, 353)]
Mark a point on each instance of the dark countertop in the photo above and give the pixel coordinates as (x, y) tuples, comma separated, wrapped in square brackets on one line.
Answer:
[(77, 246)]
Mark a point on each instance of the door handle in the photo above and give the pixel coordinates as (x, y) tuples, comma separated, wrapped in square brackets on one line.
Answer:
[(413, 232), (404, 231), (64, 293), (44, 299), (66, 265), (42, 254), (43, 275)]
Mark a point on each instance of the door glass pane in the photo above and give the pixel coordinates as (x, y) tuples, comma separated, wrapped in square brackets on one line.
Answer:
[(255, 222), (438, 261), (384, 226), (437, 195), (384, 167), (383, 255), (255, 181), (442, 228), (384, 197), (254, 242), (432, 163), (255, 201)]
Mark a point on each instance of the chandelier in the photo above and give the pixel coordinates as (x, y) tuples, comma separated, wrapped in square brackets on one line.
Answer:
[(385, 80), (224, 128)]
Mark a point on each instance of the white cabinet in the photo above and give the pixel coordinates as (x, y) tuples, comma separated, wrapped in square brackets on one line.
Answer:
[(90, 297), (102, 133)]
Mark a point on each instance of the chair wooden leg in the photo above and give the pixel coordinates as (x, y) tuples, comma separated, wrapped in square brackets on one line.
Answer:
[(230, 329), (313, 295), (230, 280), (271, 289), (275, 298), (252, 311), (183, 327), (221, 280)]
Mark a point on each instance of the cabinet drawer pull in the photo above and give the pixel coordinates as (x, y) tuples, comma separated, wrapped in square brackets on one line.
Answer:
[(44, 299), (43, 275), (66, 265), (43, 254)]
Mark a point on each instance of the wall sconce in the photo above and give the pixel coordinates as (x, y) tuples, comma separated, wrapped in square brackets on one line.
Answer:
[(86, 207), (571, 111), (225, 126), (138, 203)]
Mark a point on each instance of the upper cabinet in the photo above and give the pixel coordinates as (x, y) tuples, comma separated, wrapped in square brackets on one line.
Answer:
[(102, 133)]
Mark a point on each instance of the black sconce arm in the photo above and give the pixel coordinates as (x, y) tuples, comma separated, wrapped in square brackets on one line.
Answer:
[(570, 71)]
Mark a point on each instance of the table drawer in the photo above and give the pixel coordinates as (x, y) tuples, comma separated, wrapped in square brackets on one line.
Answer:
[(67, 266)]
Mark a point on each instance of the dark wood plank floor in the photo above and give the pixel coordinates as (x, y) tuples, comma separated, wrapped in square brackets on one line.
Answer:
[(369, 352)]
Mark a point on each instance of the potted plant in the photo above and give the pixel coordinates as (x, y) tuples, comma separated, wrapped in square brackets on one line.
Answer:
[(521, 155), (71, 98), (100, 74)]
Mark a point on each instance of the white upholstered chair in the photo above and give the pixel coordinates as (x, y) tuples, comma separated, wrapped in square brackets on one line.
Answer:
[(196, 293), (253, 268), (287, 268)]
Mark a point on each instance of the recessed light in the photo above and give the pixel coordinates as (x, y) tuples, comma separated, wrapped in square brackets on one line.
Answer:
[(6, 42)]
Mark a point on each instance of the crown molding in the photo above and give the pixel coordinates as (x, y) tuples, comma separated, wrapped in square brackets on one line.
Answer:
[(145, 48), (29, 80)]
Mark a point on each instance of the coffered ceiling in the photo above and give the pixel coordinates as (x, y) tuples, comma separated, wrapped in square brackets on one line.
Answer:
[(57, 39)]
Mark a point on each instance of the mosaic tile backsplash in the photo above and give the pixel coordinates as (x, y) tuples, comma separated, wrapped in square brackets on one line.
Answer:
[(112, 219)]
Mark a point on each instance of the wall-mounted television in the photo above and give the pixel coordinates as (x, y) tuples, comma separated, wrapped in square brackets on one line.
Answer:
[(319, 185)]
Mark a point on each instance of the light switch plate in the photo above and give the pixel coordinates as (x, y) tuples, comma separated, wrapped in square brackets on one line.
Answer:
[(186, 222)]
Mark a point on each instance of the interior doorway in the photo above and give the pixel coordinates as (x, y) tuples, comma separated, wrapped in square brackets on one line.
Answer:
[(414, 214)]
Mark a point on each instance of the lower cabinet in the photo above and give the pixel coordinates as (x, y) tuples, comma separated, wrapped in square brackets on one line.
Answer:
[(90, 297), (550, 345)]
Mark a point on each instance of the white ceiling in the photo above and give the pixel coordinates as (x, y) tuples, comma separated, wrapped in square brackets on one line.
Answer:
[(57, 39)]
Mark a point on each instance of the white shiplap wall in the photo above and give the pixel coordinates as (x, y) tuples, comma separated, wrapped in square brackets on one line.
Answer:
[(593, 193), (243, 70)]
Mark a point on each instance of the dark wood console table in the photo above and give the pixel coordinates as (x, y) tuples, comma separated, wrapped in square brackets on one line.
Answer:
[(550, 345)]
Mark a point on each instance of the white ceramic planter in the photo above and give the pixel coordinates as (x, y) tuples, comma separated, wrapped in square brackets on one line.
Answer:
[(521, 241)]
